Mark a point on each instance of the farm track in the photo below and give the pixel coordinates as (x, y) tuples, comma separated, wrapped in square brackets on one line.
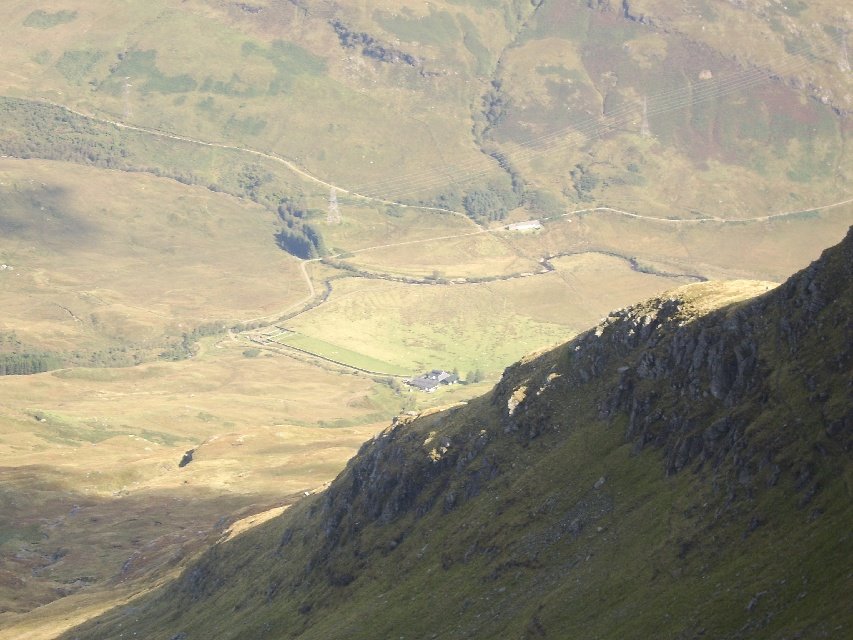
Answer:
[(268, 343), (305, 303), (255, 152), (308, 176)]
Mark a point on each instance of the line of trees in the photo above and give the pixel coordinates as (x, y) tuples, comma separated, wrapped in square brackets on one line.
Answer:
[(297, 236), (18, 359), (185, 347), (475, 376), (23, 364), (491, 203)]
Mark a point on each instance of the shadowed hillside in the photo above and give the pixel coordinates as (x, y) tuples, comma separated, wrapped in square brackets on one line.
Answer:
[(681, 470)]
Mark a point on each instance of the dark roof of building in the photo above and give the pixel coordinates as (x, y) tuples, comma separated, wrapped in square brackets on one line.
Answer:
[(431, 379), (424, 384)]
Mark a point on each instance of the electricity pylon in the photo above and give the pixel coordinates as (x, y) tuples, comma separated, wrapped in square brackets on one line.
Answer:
[(334, 214)]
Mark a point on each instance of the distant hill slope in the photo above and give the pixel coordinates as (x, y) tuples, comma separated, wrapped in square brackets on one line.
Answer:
[(681, 470), (481, 105)]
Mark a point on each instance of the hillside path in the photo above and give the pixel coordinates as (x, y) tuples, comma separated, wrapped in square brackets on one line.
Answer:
[(262, 154)]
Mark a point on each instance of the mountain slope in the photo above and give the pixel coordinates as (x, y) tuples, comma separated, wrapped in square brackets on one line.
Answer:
[(504, 102), (681, 470)]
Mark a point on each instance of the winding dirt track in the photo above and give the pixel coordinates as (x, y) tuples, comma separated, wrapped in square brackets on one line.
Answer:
[(308, 176)]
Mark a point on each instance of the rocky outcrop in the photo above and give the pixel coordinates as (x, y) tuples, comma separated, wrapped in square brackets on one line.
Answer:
[(629, 13), (370, 46), (403, 472), (691, 384), (186, 458), (687, 382)]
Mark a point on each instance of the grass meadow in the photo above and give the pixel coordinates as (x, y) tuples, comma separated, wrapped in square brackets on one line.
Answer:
[(473, 326), (340, 354)]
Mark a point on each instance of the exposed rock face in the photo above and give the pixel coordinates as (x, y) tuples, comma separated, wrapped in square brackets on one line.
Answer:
[(186, 458), (401, 473), (691, 385), (370, 46)]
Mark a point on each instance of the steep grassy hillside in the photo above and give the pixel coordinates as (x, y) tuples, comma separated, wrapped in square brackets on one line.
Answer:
[(683, 469), (633, 103)]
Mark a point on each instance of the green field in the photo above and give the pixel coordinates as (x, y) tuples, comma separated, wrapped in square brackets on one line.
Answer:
[(339, 354), (473, 326)]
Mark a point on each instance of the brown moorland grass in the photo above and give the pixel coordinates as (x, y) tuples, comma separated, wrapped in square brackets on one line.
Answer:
[(467, 256), (93, 493), (364, 225), (761, 250), (106, 257)]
